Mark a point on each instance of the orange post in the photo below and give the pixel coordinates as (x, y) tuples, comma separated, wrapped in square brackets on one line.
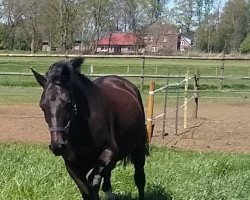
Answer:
[(150, 110)]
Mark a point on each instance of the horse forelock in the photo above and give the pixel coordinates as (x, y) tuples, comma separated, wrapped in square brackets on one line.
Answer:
[(54, 67), (55, 72)]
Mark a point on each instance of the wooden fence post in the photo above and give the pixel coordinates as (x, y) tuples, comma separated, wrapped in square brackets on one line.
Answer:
[(142, 72), (186, 99), (128, 69), (222, 71), (177, 106), (165, 110), (91, 69), (156, 69), (196, 93), (150, 110)]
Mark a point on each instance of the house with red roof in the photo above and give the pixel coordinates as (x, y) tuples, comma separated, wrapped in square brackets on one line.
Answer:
[(163, 39), (159, 38), (118, 43)]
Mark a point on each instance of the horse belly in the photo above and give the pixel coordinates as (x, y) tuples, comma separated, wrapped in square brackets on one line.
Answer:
[(130, 124), (126, 106)]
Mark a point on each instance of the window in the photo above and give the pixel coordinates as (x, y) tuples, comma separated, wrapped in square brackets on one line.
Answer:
[(104, 48), (154, 49), (130, 48)]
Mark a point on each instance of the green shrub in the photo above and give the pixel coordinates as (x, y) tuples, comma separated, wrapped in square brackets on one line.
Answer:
[(245, 45), (208, 87), (236, 86)]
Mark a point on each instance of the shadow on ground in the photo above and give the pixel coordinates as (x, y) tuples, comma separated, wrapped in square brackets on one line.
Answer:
[(154, 192)]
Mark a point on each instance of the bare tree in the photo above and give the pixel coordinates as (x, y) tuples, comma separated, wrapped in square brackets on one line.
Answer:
[(62, 15), (13, 16), (184, 15), (156, 9), (30, 22)]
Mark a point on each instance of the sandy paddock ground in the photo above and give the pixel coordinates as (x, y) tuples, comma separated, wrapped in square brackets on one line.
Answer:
[(219, 127)]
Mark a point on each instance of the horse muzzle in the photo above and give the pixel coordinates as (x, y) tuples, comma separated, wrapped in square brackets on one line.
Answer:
[(57, 145), (57, 148)]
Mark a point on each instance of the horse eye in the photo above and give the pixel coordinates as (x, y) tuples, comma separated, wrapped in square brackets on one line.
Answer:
[(68, 105)]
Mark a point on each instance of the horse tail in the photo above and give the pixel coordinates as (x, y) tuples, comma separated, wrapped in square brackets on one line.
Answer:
[(145, 135), (146, 142), (128, 159)]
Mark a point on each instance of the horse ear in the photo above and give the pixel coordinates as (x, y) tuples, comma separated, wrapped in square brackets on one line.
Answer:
[(76, 63), (39, 78)]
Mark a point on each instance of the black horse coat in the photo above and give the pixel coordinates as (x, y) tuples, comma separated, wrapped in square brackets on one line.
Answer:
[(93, 124)]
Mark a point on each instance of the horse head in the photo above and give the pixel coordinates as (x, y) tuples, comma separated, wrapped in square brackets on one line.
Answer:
[(57, 101)]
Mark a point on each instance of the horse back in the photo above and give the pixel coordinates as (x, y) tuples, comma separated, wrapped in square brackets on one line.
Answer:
[(126, 106), (114, 87)]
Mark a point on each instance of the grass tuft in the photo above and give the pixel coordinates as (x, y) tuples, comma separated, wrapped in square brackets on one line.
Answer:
[(30, 171)]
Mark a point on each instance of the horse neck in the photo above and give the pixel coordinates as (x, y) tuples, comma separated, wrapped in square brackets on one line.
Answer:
[(85, 95)]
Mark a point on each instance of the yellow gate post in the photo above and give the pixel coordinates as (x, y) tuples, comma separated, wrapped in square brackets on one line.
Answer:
[(150, 110)]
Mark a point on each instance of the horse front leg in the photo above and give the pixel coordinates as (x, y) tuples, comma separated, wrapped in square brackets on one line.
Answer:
[(79, 176), (103, 168), (106, 186)]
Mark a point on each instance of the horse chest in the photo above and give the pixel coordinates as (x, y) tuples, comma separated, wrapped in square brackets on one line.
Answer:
[(80, 153)]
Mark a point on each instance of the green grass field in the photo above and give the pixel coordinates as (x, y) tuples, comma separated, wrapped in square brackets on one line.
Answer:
[(24, 89), (120, 66), (32, 172)]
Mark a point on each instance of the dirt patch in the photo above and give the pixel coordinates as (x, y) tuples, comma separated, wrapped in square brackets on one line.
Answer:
[(219, 127), (23, 123)]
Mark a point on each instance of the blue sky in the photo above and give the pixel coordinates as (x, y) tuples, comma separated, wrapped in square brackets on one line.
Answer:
[(171, 2)]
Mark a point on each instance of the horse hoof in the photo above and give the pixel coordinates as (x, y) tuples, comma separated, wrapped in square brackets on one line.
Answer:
[(113, 198), (110, 195)]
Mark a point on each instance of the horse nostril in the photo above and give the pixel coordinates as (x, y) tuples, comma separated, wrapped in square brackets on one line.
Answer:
[(51, 147), (57, 148), (62, 147)]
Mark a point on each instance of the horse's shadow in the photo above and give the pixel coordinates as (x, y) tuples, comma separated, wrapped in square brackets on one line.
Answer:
[(153, 192)]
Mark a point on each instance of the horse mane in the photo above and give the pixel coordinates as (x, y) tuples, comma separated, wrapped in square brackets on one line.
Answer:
[(55, 73), (77, 77), (62, 71)]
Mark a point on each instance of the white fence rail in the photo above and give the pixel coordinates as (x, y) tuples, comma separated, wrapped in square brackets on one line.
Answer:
[(150, 112)]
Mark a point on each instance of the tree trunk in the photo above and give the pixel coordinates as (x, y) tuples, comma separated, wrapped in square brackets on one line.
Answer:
[(62, 29), (32, 45), (62, 40)]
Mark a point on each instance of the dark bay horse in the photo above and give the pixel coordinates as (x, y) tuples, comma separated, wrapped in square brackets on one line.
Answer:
[(93, 124)]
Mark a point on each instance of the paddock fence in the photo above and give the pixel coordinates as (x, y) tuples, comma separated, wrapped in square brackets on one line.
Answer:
[(182, 80), (150, 118), (219, 77), (142, 79), (219, 70)]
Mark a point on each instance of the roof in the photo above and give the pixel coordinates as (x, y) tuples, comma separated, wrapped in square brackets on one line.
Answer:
[(161, 28), (119, 39)]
